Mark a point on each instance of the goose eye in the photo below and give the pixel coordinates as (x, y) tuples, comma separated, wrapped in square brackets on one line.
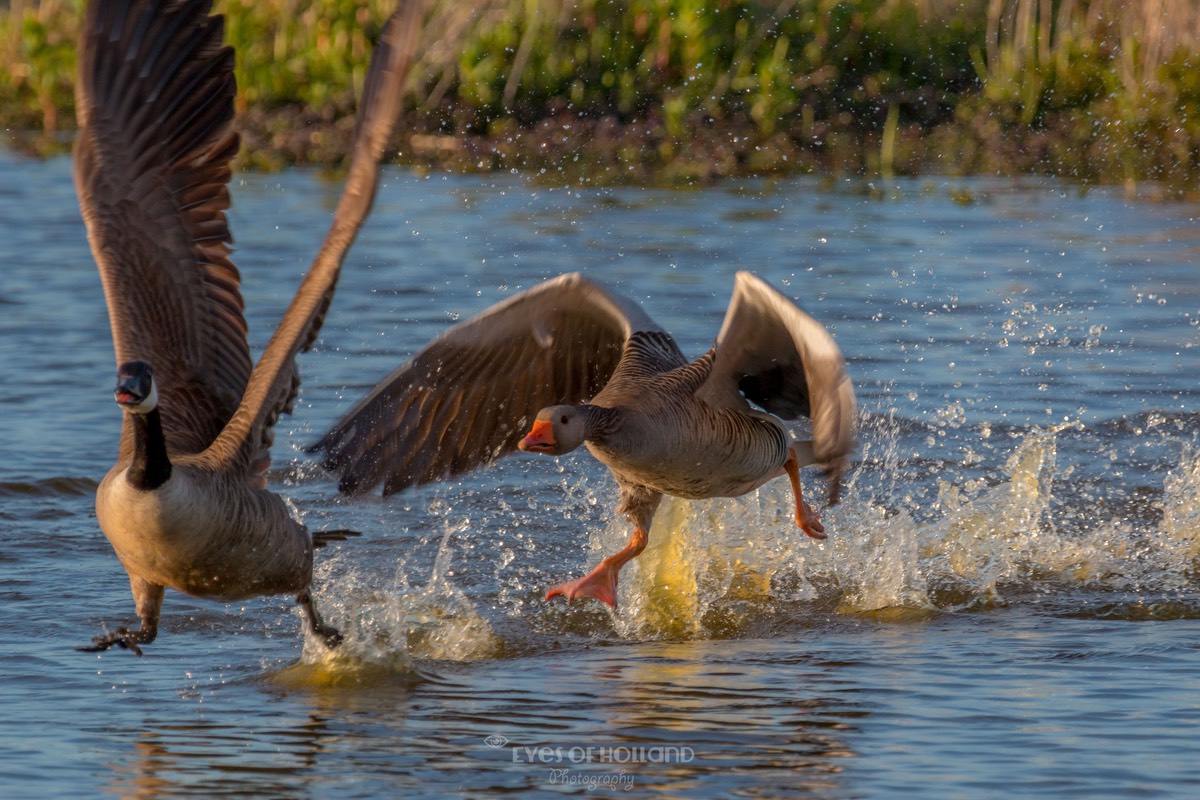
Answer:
[(563, 419)]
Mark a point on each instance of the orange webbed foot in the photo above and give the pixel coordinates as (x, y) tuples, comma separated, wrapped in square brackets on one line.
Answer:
[(806, 518), (599, 584), (810, 522)]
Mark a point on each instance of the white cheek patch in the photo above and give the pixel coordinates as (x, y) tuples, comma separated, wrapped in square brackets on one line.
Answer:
[(150, 402)]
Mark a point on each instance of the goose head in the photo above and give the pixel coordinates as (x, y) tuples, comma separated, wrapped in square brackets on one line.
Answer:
[(556, 430), (136, 390)]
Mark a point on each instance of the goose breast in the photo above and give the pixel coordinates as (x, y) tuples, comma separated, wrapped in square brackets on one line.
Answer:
[(169, 536)]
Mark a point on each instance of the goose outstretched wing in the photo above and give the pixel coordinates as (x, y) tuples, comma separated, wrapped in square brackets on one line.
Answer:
[(469, 395), (781, 359), (154, 102)]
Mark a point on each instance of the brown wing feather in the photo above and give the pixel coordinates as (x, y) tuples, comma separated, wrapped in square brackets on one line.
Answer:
[(154, 101), (467, 397), (276, 380), (786, 362)]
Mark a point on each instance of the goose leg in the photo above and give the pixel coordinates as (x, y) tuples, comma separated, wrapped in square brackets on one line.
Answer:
[(601, 583), (326, 633), (639, 506), (806, 518), (147, 600)]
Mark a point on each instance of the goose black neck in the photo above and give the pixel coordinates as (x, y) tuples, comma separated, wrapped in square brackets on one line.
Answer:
[(150, 468)]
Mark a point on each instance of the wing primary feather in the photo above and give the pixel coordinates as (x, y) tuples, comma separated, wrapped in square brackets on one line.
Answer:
[(164, 308), (484, 378), (274, 379), (786, 362), (180, 54)]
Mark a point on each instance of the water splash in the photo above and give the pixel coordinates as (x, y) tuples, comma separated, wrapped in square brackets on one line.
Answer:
[(442, 622), (991, 514), (390, 628), (1181, 510), (724, 566)]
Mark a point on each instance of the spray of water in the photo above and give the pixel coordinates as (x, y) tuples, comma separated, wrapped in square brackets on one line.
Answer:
[(913, 536)]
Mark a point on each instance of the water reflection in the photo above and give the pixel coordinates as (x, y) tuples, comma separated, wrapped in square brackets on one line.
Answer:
[(663, 717), (668, 716), (217, 759)]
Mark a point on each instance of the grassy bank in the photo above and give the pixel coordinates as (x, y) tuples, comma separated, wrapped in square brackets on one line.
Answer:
[(683, 90)]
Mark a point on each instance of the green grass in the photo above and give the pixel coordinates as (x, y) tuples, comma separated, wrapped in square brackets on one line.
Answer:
[(1098, 90)]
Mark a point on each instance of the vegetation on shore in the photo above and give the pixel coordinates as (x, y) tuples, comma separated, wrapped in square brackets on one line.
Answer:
[(684, 90)]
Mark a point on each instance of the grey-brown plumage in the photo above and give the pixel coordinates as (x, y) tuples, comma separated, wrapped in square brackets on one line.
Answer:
[(186, 506), (587, 366)]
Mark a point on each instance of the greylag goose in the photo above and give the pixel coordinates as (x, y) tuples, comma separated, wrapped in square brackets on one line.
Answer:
[(185, 506), (662, 425)]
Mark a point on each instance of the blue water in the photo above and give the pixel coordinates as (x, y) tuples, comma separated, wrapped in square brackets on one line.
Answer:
[(1008, 604)]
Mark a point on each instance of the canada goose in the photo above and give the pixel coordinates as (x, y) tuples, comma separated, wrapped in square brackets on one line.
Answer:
[(660, 424), (186, 506)]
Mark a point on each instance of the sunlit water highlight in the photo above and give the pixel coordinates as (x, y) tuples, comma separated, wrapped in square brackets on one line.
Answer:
[(1008, 602)]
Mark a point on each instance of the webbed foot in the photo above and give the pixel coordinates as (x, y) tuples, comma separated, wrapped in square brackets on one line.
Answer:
[(806, 518), (600, 583), (121, 637), (810, 522)]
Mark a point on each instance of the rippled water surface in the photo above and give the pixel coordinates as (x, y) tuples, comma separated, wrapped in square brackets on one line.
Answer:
[(1008, 603)]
